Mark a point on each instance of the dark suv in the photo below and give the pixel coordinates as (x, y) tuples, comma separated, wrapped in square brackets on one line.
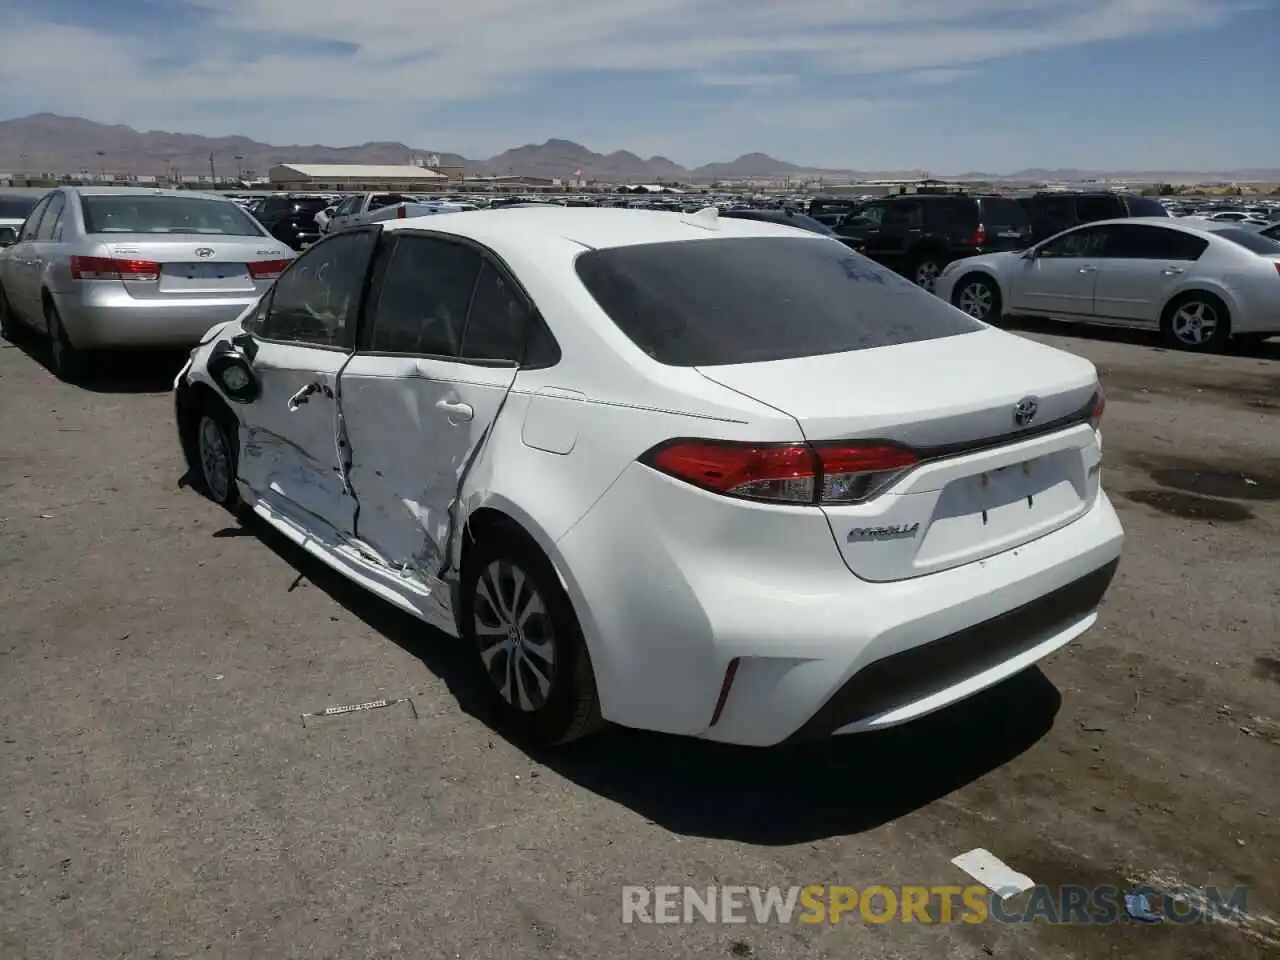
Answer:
[(918, 234), (291, 219), (1051, 213)]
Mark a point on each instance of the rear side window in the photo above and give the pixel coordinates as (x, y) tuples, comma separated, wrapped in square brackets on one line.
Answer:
[(1059, 209), (746, 300), (999, 213), (1136, 241), (166, 214), (1145, 207), (1089, 209), (51, 222), (422, 305), (1255, 242)]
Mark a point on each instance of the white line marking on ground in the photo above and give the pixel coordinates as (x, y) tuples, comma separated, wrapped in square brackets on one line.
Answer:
[(988, 870)]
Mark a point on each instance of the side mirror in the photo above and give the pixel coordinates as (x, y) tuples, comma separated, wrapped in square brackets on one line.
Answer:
[(233, 373), (8, 238), (1032, 254)]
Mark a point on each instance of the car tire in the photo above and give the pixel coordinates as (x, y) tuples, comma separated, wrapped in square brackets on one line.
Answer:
[(532, 659), (11, 327), (979, 297), (924, 270), (213, 453), (1197, 322), (70, 364)]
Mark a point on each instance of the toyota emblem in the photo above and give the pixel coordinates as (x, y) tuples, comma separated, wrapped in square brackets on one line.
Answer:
[(1024, 411), (204, 253)]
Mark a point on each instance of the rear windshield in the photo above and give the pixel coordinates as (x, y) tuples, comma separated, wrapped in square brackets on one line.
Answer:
[(1145, 207), (164, 214), (797, 220), (17, 208), (753, 299), (1000, 213), (1251, 241), (311, 204)]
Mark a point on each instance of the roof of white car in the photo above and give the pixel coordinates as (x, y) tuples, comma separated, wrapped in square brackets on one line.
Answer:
[(596, 228)]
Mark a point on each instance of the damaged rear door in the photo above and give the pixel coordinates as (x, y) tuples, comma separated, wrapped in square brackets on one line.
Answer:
[(440, 336)]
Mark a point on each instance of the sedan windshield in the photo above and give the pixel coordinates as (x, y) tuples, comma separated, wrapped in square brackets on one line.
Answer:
[(166, 214)]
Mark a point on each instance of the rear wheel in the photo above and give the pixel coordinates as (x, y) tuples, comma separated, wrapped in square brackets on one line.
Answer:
[(10, 327), (925, 269), (519, 621), (70, 364), (1196, 321), (979, 297)]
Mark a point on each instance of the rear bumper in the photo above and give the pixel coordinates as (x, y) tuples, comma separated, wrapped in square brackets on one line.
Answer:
[(101, 317), (672, 585)]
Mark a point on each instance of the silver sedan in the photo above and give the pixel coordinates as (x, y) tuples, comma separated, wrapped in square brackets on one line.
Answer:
[(110, 268), (1199, 284)]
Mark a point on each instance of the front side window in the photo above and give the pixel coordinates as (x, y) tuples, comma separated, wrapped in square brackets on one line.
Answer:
[(872, 215), (421, 306), (314, 302), (755, 299), (1087, 242), (904, 213), (162, 214)]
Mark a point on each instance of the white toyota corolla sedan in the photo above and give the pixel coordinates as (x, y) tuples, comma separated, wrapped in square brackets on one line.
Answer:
[(712, 477)]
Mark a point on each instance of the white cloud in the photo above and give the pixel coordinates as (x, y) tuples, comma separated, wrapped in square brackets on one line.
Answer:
[(413, 55)]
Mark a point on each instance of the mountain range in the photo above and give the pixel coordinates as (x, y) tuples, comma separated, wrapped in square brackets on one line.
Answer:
[(46, 142)]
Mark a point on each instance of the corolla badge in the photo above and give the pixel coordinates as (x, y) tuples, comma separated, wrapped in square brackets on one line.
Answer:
[(204, 253), (1024, 411), (899, 531)]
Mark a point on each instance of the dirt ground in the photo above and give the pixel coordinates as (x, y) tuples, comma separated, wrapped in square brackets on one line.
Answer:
[(160, 796)]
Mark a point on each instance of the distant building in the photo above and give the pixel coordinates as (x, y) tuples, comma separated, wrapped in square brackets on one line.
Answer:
[(354, 177)]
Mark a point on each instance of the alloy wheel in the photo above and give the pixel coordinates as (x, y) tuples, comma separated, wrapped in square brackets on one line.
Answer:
[(976, 300), (1194, 323), (514, 631), (215, 458), (926, 273)]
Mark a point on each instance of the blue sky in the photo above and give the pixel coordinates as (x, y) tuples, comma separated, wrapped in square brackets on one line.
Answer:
[(948, 87)]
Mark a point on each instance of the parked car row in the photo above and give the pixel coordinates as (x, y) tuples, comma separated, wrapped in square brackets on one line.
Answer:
[(1201, 284), (108, 267)]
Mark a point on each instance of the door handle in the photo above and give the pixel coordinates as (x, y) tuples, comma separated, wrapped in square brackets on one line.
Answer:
[(1172, 271), (1088, 269), (458, 412), (305, 394)]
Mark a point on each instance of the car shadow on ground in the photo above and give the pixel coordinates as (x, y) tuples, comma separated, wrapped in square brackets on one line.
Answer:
[(114, 371), (780, 795), (1264, 350)]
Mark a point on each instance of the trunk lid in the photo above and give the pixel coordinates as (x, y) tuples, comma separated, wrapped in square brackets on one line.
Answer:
[(985, 483), (198, 265)]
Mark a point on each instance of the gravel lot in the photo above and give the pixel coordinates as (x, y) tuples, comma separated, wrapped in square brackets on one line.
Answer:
[(161, 797)]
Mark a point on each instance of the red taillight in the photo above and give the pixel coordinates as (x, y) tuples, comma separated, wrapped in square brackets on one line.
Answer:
[(400, 211), (980, 235), (267, 269), (106, 268), (1278, 267), (1097, 407), (798, 473)]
